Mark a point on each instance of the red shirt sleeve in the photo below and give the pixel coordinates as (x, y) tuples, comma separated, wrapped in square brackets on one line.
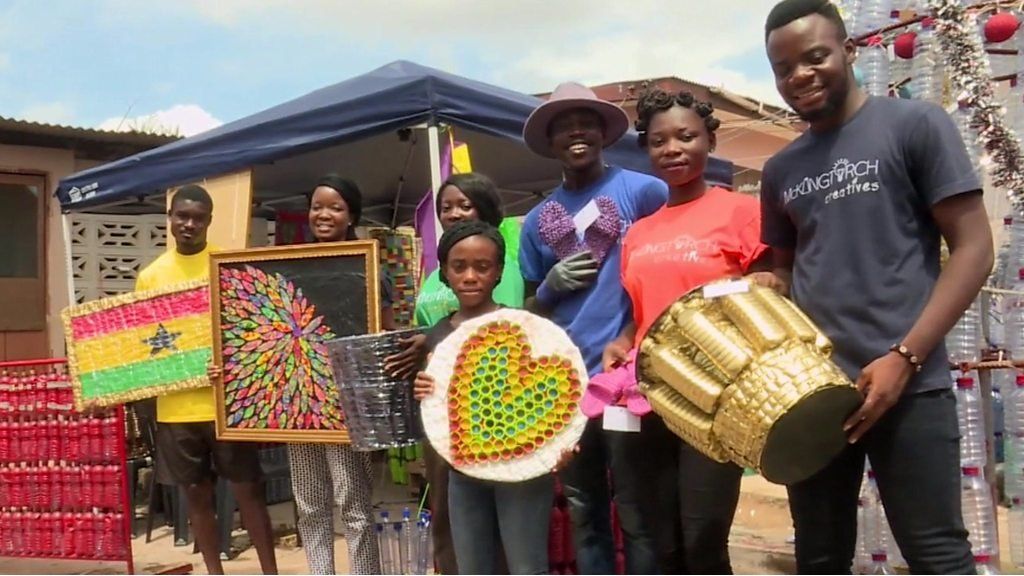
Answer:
[(748, 233)]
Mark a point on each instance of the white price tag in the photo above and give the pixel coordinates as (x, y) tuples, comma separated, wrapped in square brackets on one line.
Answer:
[(726, 288), (585, 217), (619, 419)]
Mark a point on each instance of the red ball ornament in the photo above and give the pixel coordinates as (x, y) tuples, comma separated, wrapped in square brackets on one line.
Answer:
[(904, 45), (1001, 27)]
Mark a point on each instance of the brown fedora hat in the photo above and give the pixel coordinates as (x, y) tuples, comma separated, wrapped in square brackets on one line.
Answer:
[(569, 96)]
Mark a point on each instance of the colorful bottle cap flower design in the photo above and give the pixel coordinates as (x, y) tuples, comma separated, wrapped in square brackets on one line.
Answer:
[(277, 370), (506, 403)]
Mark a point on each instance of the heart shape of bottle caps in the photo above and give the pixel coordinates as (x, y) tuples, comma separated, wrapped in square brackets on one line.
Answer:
[(506, 402)]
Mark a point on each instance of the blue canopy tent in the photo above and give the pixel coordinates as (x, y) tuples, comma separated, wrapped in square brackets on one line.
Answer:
[(370, 128)]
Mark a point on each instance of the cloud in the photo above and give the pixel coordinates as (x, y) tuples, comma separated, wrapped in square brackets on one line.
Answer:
[(5, 61), (48, 113), (531, 45), (183, 119)]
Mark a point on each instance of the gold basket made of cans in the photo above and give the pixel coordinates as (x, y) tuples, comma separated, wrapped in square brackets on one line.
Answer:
[(741, 374)]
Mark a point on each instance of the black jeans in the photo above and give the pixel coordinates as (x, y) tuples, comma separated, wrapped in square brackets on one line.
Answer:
[(585, 481), (691, 500), (915, 453)]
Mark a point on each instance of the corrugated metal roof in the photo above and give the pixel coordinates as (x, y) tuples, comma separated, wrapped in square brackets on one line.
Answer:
[(28, 127)]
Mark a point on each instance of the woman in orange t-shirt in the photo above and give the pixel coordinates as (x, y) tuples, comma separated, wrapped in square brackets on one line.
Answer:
[(703, 233)]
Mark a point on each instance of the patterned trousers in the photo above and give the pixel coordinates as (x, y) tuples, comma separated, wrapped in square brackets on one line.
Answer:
[(328, 474)]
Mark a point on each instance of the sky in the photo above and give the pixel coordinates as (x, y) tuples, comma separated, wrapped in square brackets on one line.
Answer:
[(190, 65)]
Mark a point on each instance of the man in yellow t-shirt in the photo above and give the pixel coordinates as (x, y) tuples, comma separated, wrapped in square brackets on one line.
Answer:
[(187, 451)]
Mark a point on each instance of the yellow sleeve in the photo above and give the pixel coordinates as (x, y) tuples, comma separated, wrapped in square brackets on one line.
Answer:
[(144, 281)]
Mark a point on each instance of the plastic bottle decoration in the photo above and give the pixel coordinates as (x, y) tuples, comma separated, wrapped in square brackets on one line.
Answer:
[(1013, 468), (926, 69), (964, 341), (999, 30), (962, 116), (1001, 27), (60, 478), (875, 13), (850, 10), (874, 61), (903, 50), (506, 402), (979, 518), (971, 420), (1016, 529)]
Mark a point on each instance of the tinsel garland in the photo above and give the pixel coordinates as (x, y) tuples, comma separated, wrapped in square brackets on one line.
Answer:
[(957, 33)]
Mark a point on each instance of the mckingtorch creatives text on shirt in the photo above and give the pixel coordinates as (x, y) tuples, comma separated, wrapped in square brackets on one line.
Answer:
[(846, 178), (683, 248)]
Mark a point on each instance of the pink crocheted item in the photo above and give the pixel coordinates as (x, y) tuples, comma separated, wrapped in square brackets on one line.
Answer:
[(613, 387)]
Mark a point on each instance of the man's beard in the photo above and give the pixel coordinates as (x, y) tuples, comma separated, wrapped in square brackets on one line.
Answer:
[(831, 107)]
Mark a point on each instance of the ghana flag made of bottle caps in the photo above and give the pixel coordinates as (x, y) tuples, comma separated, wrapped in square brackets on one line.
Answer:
[(139, 345)]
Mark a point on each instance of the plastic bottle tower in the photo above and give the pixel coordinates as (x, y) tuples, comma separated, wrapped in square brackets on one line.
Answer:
[(875, 551)]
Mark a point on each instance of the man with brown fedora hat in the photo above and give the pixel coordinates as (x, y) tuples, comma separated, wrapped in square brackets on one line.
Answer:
[(569, 256)]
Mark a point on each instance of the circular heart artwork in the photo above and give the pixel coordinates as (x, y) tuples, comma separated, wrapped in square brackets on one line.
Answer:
[(506, 398)]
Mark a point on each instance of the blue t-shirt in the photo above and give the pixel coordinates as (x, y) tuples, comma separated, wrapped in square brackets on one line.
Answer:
[(595, 316)]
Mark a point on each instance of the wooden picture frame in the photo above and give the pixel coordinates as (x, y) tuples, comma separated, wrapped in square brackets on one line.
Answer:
[(329, 290)]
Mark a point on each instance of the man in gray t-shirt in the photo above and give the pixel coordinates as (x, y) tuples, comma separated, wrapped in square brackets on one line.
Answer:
[(854, 207), (855, 210)]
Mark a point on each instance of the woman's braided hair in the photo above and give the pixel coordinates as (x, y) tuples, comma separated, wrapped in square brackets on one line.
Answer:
[(654, 101)]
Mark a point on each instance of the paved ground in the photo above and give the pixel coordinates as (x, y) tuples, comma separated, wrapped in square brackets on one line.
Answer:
[(759, 543)]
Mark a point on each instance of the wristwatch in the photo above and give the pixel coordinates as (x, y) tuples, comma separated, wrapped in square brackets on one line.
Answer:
[(909, 356)]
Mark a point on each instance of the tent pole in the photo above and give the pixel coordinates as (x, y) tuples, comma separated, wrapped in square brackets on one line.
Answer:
[(401, 182), (69, 268), (435, 173)]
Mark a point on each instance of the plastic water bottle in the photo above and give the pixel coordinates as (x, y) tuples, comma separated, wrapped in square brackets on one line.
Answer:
[(408, 541), (985, 564), (892, 549), (1015, 255), (978, 511), (999, 64), (384, 542), (862, 558), (1015, 100), (998, 412), (899, 5), (851, 11), (1013, 468), (880, 564), (426, 542), (385, 567), (873, 540), (964, 340), (399, 540), (875, 13), (420, 556), (874, 65), (1012, 99), (926, 69), (971, 419), (962, 117), (1016, 529), (1013, 311), (899, 68)]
